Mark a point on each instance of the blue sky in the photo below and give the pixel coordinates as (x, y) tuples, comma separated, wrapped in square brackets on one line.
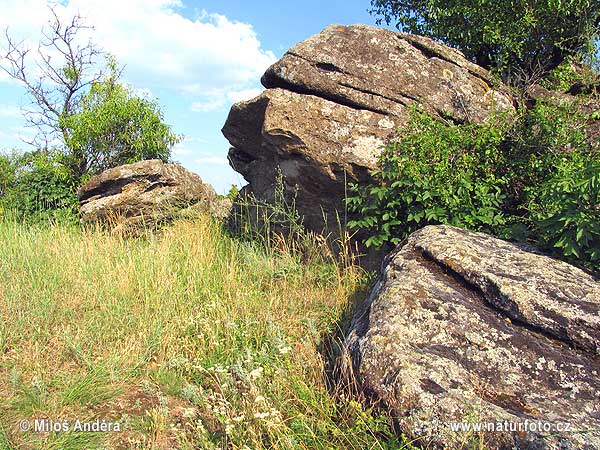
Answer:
[(195, 57)]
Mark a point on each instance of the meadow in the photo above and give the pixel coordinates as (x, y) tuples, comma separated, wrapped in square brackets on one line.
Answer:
[(186, 338)]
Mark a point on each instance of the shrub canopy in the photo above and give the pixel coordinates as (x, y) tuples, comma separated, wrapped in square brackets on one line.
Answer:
[(522, 39)]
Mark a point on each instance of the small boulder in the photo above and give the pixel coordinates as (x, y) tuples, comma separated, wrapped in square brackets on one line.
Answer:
[(141, 195), (466, 328)]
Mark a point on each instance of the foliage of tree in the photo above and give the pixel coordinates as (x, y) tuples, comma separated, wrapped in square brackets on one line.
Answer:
[(523, 39), (233, 193), (113, 126), (534, 179), (7, 173), (78, 101)]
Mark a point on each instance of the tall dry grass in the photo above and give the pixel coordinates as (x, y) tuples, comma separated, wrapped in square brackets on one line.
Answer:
[(188, 339)]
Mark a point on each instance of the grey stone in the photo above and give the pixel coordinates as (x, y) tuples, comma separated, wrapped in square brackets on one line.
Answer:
[(464, 327), (133, 197)]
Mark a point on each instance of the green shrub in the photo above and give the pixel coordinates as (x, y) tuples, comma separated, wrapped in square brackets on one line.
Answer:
[(114, 126), (574, 74), (233, 192), (435, 173), (7, 173), (39, 188), (533, 178), (563, 77), (566, 211)]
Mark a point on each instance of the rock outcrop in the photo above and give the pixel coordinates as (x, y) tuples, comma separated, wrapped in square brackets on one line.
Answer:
[(383, 71), (333, 101), (466, 328), (314, 143), (141, 195)]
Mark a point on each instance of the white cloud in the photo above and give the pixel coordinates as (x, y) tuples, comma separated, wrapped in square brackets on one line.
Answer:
[(24, 17), (10, 111), (218, 99), (23, 133), (195, 150), (188, 146), (181, 151), (240, 96), (216, 160), (208, 105), (195, 139), (159, 46), (188, 150)]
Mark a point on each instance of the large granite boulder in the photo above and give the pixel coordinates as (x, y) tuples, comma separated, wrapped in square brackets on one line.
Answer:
[(136, 196), (463, 328), (332, 103), (383, 71), (315, 144)]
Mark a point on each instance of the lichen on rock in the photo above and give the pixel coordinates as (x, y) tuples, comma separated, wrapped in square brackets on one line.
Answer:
[(134, 197), (464, 327)]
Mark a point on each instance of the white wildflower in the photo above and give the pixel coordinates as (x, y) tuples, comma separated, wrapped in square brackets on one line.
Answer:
[(256, 373), (284, 350)]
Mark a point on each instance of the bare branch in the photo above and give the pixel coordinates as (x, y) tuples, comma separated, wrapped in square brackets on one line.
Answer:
[(62, 73)]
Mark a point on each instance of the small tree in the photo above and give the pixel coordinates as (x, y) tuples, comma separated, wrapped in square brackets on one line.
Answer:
[(523, 39), (79, 103), (113, 126)]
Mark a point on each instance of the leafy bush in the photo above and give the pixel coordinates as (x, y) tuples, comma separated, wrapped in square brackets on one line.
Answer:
[(233, 192), (435, 173), (571, 72), (39, 188), (531, 178), (566, 211), (114, 126), (7, 173)]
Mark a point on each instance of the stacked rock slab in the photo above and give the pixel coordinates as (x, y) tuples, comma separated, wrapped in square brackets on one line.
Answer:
[(465, 328), (333, 101), (136, 196)]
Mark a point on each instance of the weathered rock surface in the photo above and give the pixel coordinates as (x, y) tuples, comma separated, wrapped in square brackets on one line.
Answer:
[(463, 327), (219, 209), (383, 71), (314, 143), (334, 100), (134, 196)]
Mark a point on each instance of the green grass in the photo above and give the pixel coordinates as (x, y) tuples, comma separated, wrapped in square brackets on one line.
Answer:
[(189, 339)]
